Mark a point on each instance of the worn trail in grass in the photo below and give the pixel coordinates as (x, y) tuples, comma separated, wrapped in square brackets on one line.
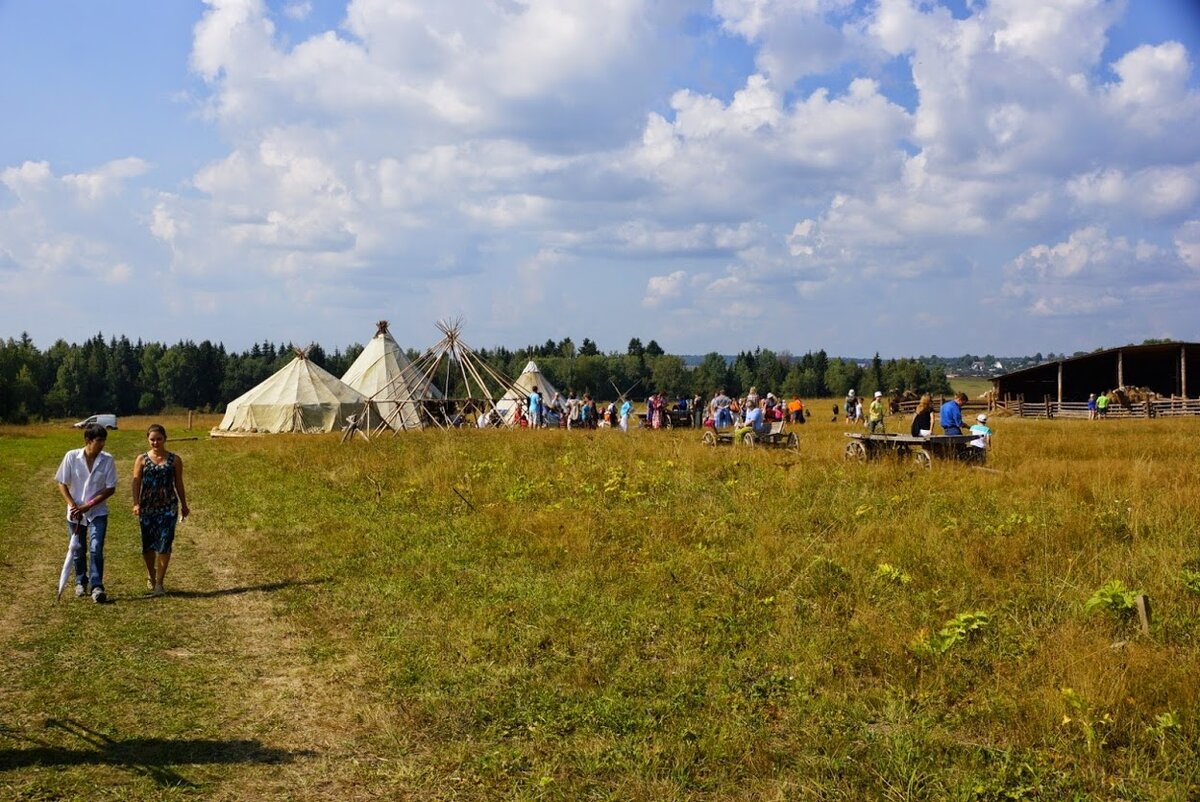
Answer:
[(204, 691)]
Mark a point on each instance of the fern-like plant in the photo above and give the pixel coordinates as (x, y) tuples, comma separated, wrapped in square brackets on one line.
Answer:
[(1114, 598)]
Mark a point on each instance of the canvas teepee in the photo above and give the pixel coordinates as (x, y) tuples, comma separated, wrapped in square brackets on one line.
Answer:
[(530, 379), (384, 374), (454, 364), (301, 397)]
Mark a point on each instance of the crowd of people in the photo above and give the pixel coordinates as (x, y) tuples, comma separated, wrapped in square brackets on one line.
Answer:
[(570, 412), (753, 412), (721, 411)]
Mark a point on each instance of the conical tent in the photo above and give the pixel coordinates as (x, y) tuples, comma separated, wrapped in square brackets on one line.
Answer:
[(384, 374), (530, 379), (301, 397), (455, 365)]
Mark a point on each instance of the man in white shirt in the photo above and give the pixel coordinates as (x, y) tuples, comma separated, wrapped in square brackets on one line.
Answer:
[(86, 478)]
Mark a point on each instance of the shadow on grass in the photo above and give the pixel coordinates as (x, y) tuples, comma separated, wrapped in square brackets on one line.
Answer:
[(150, 757), (269, 587)]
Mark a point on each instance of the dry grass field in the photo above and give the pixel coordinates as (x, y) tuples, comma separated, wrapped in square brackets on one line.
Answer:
[(550, 615)]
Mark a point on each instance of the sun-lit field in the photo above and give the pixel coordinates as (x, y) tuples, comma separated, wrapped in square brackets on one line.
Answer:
[(973, 386), (585, 615)]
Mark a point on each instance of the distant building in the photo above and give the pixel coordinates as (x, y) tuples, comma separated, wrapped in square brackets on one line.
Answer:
[(1163, 368)]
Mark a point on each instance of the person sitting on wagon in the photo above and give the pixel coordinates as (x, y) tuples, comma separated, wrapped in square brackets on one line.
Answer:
[(983, 439), (951, 414), (754, 422), (922, 422)]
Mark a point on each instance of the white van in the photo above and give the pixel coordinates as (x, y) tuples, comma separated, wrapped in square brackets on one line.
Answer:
[(107, 421)]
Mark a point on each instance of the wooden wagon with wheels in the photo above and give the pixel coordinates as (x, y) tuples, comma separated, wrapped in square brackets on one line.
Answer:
[(775, 436), (676, 418), (921, 450)]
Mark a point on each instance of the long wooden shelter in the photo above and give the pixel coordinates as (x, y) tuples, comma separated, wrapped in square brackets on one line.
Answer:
[(1151, 379)]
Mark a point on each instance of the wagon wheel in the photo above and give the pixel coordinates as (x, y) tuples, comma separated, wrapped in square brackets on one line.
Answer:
[(922, 460), (749, 439), (793, 442), (856, 451), (666, 421), (710, 438)]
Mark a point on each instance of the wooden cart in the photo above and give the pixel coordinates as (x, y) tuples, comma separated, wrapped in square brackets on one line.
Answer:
[(672, 418), (921, 450), (776, 436)]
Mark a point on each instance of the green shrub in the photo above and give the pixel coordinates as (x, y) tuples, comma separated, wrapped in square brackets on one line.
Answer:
[(1114, 598)]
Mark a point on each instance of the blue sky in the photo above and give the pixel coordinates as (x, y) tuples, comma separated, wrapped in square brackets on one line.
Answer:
[(902, 177)]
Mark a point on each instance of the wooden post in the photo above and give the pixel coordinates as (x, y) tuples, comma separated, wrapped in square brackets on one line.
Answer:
[(1120, 368), (1142, 601), (1183, 370), (189, 420), (1060, 377), (1048, 415)]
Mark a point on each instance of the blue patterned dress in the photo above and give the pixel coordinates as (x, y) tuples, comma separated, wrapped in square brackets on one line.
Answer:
[(159, 504)]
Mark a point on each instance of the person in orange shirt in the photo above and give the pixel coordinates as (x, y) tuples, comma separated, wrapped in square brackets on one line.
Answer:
[(796, 410)]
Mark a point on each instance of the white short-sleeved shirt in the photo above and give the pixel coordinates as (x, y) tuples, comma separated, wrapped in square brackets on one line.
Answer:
[(84, 484), (983, 440)]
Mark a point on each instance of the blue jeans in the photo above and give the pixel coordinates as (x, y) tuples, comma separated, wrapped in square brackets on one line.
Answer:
[(94, 548)]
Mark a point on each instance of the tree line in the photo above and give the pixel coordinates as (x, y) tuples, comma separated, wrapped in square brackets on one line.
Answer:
[(123, 377)]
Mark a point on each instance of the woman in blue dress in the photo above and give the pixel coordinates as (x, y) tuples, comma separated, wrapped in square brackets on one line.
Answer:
[(158, 500)]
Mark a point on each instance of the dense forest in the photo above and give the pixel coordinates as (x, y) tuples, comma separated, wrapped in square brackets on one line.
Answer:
[(123, 377)]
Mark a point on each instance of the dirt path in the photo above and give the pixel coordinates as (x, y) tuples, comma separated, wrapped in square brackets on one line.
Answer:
[(275, 692), (268, 690)]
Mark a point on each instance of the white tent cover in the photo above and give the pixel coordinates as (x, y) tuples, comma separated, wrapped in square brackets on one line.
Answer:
[(529, 379), (301, 397), (383, 373)]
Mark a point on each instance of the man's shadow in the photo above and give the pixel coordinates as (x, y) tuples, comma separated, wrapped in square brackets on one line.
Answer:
[(150, 757)]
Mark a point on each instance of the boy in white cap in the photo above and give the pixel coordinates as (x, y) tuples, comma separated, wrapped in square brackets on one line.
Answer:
[(983, 434)]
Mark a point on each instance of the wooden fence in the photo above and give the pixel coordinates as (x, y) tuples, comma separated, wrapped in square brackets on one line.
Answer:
[(1049, 408), (972, 407)]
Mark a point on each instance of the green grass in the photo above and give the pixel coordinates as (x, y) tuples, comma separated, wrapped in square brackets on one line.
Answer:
[(494, 615), (974, 387)]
